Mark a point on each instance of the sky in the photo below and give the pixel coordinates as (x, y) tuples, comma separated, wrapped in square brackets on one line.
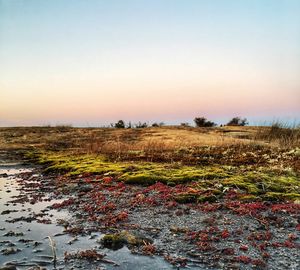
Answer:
[(93, 62)]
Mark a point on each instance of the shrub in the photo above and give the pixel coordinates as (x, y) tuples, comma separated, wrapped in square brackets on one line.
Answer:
[(203, 122), (237, 121), (120, 124), (158, 124), (141, 125)]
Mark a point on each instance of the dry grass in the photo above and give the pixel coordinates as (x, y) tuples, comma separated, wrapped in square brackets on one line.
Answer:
[(147, 140), (186, 145), (284, 135)]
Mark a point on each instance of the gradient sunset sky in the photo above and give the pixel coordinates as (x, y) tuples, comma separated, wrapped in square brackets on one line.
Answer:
[(92, 62)]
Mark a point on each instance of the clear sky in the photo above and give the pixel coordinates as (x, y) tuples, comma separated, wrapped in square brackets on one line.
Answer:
[(92, 62)]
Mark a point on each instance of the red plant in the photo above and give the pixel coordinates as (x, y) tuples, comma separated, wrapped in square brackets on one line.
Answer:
[(64, 203), (228, 251), (148, 249), (225, 234), (243, 259), (259, 263), (244, 247), (292, 237), (289, 244), (265, 255), (291, 208)]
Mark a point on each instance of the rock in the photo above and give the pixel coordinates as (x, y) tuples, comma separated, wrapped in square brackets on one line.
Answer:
[(6, 212), (8, 267), (36, 268), (12, 233), (37, 250), (4, 175), (85, 188), (25, 240), (69, 188), (175, 229), (23, 218), (72, 240), (118, 240), (10, 250), (35, 244)]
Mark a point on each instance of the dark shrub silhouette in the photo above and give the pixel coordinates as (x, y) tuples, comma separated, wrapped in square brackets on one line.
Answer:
[(237, 121), (158, 124), (203, 122), (141, 125), (120, 124)]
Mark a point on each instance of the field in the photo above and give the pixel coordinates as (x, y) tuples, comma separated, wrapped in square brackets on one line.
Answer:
[(224, 197)]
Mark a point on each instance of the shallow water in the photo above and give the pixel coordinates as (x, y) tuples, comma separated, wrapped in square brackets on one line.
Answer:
[(33, 245)]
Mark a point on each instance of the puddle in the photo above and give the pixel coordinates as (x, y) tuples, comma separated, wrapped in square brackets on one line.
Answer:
[(24, 231)]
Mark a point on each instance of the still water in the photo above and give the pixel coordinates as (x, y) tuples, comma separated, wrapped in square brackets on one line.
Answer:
[(24, 232)]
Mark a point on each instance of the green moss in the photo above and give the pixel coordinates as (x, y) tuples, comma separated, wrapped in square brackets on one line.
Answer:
[(193, 198), (206, 198), (213, 180), (241, 182), (259, 183), (186, 198), (277, 196), (139, 173), (165, 174), (118, 240)]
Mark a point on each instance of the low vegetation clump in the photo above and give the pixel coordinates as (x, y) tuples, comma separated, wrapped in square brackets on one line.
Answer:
[(118, 240), (90, 255)]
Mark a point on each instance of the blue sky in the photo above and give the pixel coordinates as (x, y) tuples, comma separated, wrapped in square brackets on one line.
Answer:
[(169, 60)]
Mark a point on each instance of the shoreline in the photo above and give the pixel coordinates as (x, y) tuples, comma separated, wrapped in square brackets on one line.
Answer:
[(220, 235)]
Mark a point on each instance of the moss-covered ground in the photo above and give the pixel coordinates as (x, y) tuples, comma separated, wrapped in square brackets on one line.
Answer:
[(207, 183)]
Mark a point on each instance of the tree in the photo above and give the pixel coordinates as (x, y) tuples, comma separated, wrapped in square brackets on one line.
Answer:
[(120, 124), (202, 122), (237, 121)]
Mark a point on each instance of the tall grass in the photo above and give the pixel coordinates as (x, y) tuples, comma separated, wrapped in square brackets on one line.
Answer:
[(284, 134)]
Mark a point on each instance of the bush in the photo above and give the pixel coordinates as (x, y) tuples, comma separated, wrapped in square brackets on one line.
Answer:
[(202, 122), (120, 124), (158, 124), (141, 125), (237, 121)]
